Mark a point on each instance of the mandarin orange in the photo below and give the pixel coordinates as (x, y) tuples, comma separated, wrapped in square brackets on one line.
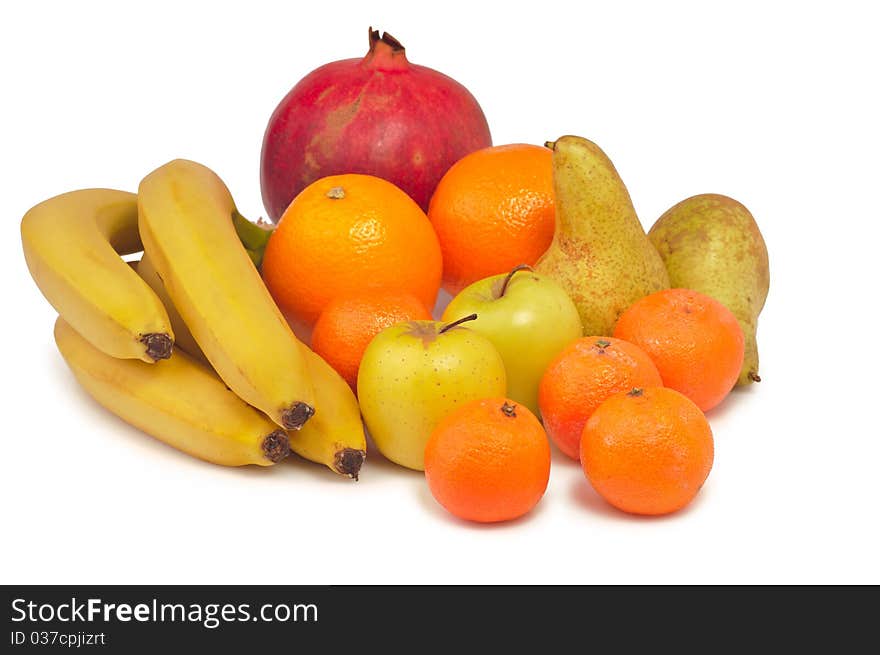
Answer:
[(492, 210), (488, 461), (582, 377), (696, 342), (647, 451)]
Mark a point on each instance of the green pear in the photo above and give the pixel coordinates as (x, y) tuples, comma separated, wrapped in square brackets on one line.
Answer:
[(600, 254), (711, 243)]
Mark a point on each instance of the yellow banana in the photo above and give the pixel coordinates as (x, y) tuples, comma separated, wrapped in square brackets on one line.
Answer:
[(178, 401), (185, 220), (72, 245), (334, 436), (183, 338)]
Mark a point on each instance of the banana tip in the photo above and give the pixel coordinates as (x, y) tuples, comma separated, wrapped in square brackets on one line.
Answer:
[(159, 345), (295, 416), (348, 461), (276, 446)]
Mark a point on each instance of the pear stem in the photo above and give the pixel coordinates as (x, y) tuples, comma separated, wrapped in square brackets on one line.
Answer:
[(516, 269), (754, 377), (449, 326)]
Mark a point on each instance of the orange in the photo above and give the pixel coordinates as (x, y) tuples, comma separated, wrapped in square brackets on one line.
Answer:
[(492, 210), (347, 326), (695, 341), (346, 234), (488, 460), (647, 451), (582, 376)]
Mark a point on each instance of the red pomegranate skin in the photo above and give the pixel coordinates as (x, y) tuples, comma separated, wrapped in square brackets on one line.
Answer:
[(379, 115)]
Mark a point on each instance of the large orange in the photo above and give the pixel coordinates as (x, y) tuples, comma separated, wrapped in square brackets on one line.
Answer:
[(696, 342), (346, 234), (647, 451), (492, 210), (587, 372), (487, 461)]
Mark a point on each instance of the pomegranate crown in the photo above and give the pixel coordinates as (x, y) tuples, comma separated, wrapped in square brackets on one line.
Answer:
[(386, 53)]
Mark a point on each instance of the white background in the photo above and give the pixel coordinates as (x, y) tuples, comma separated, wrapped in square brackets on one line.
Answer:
[(773, 103)]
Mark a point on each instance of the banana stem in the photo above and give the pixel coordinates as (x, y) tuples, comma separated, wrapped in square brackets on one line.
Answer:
[(253, 236)]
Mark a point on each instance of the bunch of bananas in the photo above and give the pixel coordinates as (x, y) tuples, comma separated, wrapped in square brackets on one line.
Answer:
[(187, 344)]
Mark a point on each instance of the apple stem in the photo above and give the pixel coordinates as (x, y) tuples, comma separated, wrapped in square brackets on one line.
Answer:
[(516, 269), (470, 317)]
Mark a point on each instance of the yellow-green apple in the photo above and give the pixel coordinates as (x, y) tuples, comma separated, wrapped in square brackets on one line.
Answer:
[(529, 319), (414, 373)]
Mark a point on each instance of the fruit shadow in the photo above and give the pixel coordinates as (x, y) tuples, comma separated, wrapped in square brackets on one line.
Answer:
[(735, 399), (443, 299), (385, 467), (376, 470), (559, 460), (149, 447), (584, 496), (580, 490), (437, 511)]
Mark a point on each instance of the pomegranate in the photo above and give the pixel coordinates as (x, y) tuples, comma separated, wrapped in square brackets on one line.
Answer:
[(379, 115)]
